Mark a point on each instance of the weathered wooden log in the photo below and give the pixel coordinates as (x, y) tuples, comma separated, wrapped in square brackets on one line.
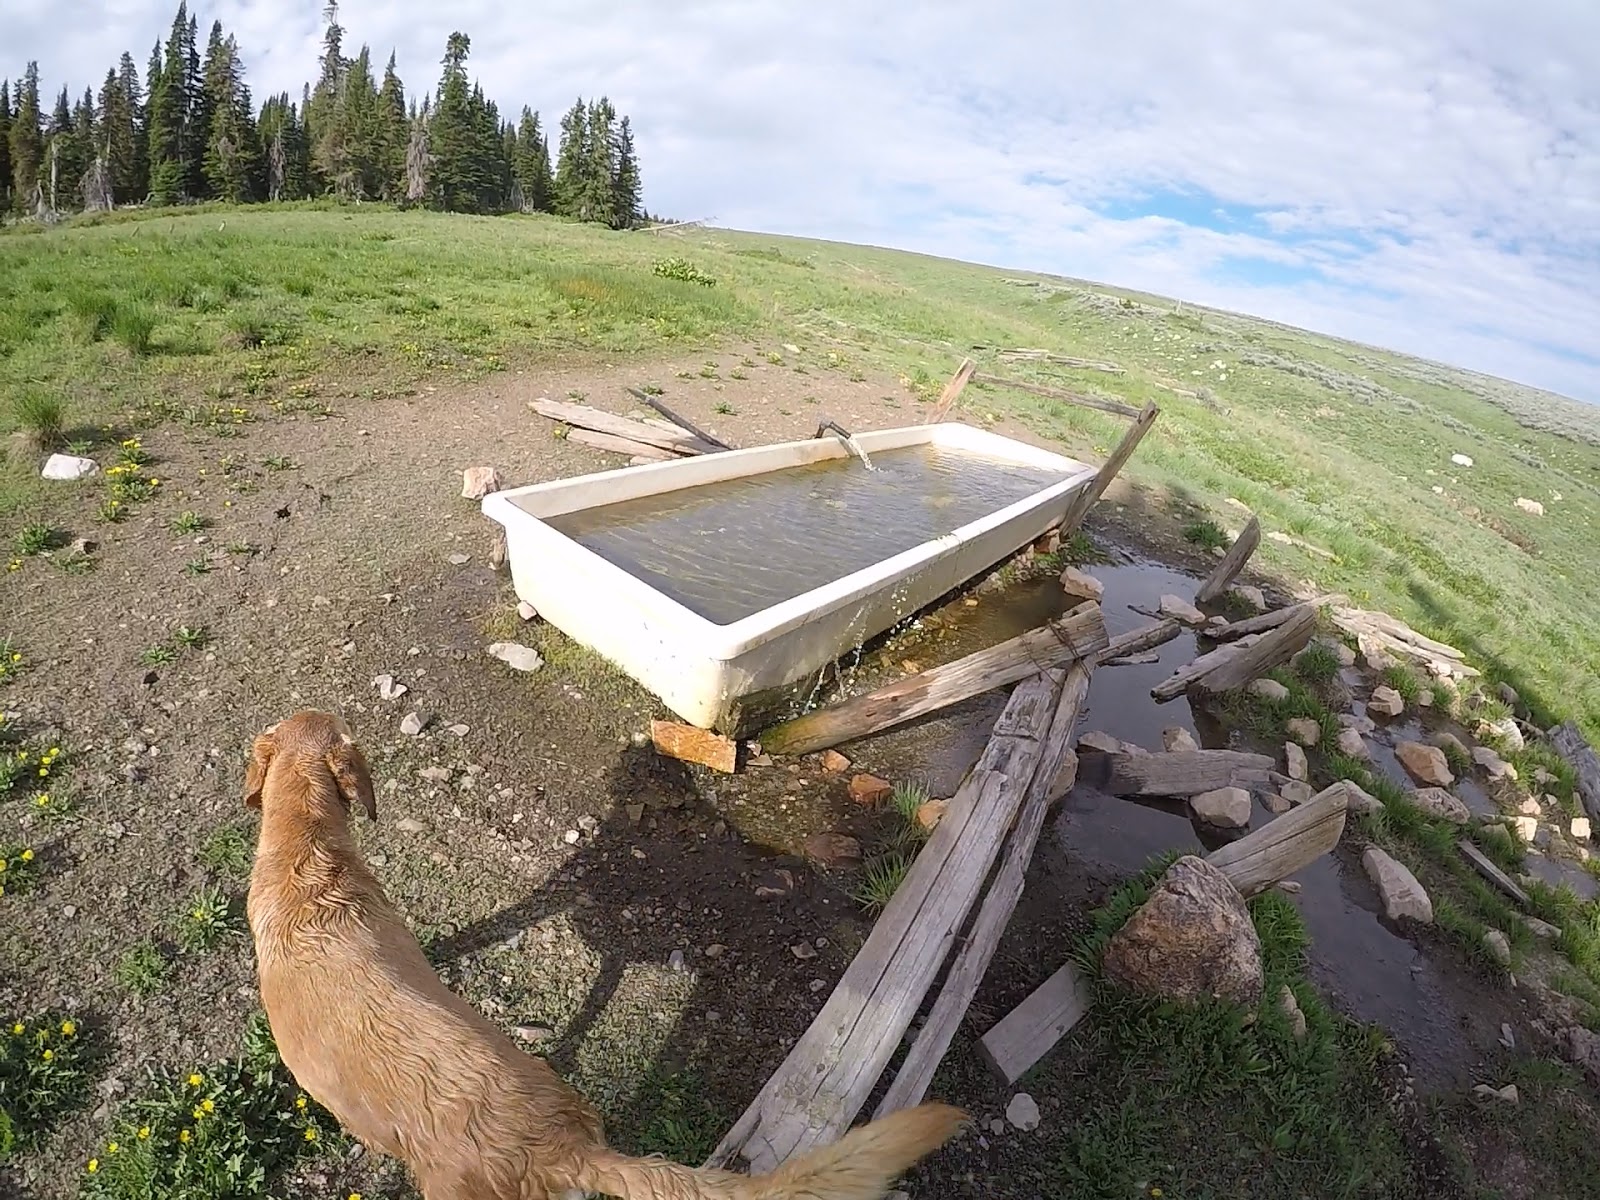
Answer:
[(952, 391), (1022, 354), (1235, 630), (1252, 864), (1185, 676), (1232, 563), (1396, 629), (1481, 863), (1086, 497), (618, 445), (690, 744), (680, 421), (1175, 772), (584, 416), (1271, 648), (826, 1078), (1568, 741), (1052, 776), (1116, 407), (1079, 634)]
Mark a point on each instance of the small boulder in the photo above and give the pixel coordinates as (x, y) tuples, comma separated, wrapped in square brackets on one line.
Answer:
[(1530, 808), (1291, 1009), (1508, 695), (1250, 597), (1398, 888), (1358, 721), (1180, 609), (412, 724), (1423, 698), (1493, 765), (868, 790), (1386, 702), (1345, 653), (1352, 744), (930, 813), (516, 656), (1268, 689), (526, 611), (1296, 791), (1359, 800), (834, 763), (1295, 757), (833, 849), (388, 688), (1276, 804), (1506, 729), (1225, 808), (1526, 828), (1461, 460), (1083, 586), (1499, 947), (1304, 730), (1192, 938), (1425, 764), (1099, 742), (1023, 1112), (1446, 740), (1530, 506), (1178, 738), (1580, 828), (68, 466), (1542, 930), (1437, 802), (478, 482)]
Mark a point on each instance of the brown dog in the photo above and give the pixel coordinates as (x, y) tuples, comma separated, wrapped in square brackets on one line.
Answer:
[(411, 1069)]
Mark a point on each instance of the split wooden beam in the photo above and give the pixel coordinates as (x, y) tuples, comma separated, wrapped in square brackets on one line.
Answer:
[(1174, 772), (952, 390), (1084, 500), (1235, 665), (1235, 630), (1116, 407), (826, 1078), (680, 421), (1481, 863), (1052, 777), (1232, 563), (618, 445), (1252, 864), (1078, 635), (584, 416)]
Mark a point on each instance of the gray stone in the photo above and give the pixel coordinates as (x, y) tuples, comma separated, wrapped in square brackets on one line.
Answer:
[(1251, 597), (1360, 722), (1297, 791), (1506, 729), (1276, 804), (1446, 740), (1493, 765), (1359, 800), (1268, 689), (1295, 757), (1352, 744), (1304, 730), (1080, 585), (516, 656), (1178, 738), (68, 467), (435, 774), (803, 951), (1226, 808), (1526, 828), (1181, 610), (1542, 930), (409, 825), (1580, 828), (1398, 888), (675, 961), (526, 611), (1023, 1112), (412, 724), (1499, 946), (459, 560), (1291, 1009), (1386, 702), (1099, 741), (1437, 802)]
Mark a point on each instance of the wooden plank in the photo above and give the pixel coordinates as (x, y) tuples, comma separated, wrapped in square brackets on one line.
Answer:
[(1185, 677), (1179, 772), (1252, 864), (1272, 648), (680, 421), (828, 1075), (694, 745), (1086, 497), (1136, 641), (1051, 777), (1486, 867), (1079, 634), (1115, 407), (1022, 354), (1235, 630), (1232, 563), (1568, 741), (618, 445), (585, 416), (1283, 846), (952, 390), (1398, 629)]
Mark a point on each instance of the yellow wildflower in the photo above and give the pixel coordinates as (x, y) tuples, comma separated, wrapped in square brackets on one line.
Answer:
[(2, 864), (355, 1196), (199, 1114), (183, 1135), (209, 1105), (144, 1132), (112, 1147), (94, 1165), (27, 856), (300, 1102), (19, 1028), (42, 799), (68, 1028), (49, 1054), (196, 1079), (311, 1135)]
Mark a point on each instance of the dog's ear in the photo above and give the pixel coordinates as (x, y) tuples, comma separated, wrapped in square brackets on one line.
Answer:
[(350, 772), (255, 771)]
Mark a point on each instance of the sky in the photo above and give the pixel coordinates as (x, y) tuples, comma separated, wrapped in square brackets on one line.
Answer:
[(1417, 174)]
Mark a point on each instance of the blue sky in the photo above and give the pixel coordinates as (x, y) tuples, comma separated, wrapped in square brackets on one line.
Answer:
[(1421, 174)]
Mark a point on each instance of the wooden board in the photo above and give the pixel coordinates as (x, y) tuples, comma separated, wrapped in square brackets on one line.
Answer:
[(1079, 634), (585, 416), (1038, 389), (952, 391), (681, 422), (1235, 630), (1232, 563), (829, 1073), (694, 745), (1052, 776), (1486, 867), (1023, 354), (1179, 772), (1273, 647), (1030, 1031), (1185, 676), (618, 445), (1086, 497)]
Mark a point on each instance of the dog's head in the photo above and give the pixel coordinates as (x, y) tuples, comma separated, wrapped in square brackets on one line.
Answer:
[(307, 742)]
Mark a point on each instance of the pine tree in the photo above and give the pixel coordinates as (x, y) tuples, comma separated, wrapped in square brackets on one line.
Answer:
[(171, 119), (358, 126), (569, 166), (626, 199), (460, 176), (208, 101), (134, 185), (322, 108), (233, 153), (284, 150), (118, 136), (5, 147), (393, 134), (63, 161), (531, 166), (27, 143), (597, 168)]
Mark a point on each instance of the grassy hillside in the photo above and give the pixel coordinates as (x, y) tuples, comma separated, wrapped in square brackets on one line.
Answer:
[(215, 315)]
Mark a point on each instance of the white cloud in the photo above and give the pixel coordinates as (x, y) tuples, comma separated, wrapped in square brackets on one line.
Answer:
[(1433, 166)]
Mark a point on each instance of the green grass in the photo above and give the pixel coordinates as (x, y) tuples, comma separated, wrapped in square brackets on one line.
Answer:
[(1208, 535), (45, 1063), (227, 850), (143, 968), (157, 656), (1317, 664), (13, 665), (19, 869), (133, 328), (880, 880), (210, 918), (188, 521), (35, 538), (1403, 680), (42, 415)]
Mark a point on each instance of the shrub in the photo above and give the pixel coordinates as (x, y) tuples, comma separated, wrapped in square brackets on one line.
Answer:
[(42, 416), (133, 327), (1208, 535), (683, 270)]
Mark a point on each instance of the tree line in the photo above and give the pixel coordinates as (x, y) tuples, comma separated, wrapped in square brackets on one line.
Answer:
[(190, 132)]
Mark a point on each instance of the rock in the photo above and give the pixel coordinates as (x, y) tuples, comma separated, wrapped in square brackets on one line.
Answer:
[(1493, 765), (435, 774), (1423, 698), (1304, 730), (675, 961), (1345, 654), (1359, 800), (1218, 623), (834, 763), (388, 689), (1461, 460), (1386, 702), (1192, 938), (1352, 744), (478, 482), (459, 560), (1250, 597), (1295, 758), (1226, 808), (1425, 764), (1542, 930), (1178, 738), (635, 813), (833, 849), (1526, 828), (516, 656), (1085, 587), (1296, 791), (380, 859), (526, 611), (1291, 1009), (716, 950), (1507, 1094), (1360, 722), (535, 1033), (1099, 742), (1181, 610), (1530, 506), (409, 825), (869, 790), (1289, 886), (1508, 695), (1507, 730), (1446, 740), (1276, 804), (498, 551), (1023, 1112), (930, 813), (1580, 828), (1398, 888), (1530, 808), (412, 724), (1508, 1036), (1437, 802), (1498, 945), (1268, 689), (803, 951), (68, 466), (460, 730)]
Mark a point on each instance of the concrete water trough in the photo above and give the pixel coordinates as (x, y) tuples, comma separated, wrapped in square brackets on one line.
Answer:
[(725, 583)]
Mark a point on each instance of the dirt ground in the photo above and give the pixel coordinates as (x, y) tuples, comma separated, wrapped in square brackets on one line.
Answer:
[(694, 937)]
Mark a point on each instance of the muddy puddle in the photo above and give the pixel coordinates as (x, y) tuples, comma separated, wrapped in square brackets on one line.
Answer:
[(1382, 741)]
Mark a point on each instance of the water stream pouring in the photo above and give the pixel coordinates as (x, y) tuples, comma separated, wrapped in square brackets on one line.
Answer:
[(849, 441)]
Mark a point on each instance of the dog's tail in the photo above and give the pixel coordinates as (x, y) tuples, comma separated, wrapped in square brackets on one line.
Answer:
[(859, 1166)]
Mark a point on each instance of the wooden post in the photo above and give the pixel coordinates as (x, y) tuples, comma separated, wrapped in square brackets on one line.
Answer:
[(1268, 651), (1482, 864), (618, 445), (1177, 772), (961, 982), (586, 416), (1232, 563), (1084, 500), (952, 390), (1079, 634)]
